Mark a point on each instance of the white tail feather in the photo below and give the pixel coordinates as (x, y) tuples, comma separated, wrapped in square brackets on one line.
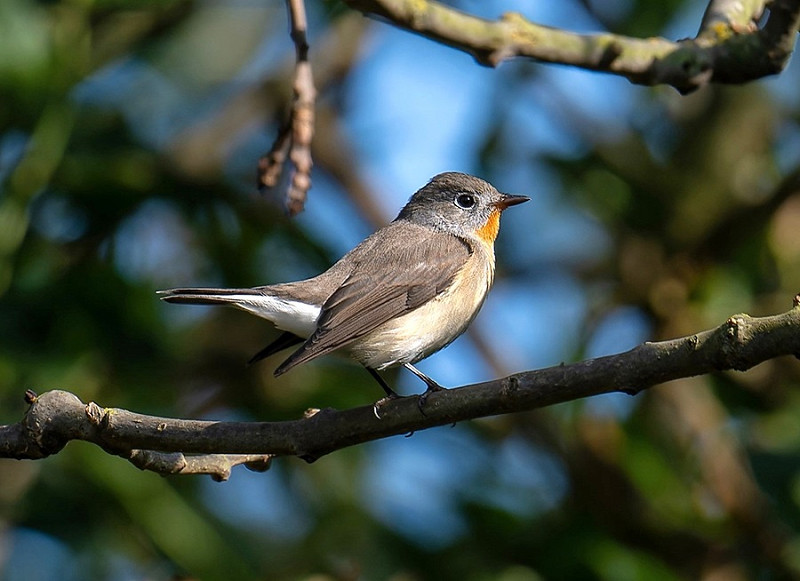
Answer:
[(286, 314)]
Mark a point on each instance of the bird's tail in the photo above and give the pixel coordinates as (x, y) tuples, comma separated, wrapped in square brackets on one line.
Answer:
[(210, 296), (286, 313)]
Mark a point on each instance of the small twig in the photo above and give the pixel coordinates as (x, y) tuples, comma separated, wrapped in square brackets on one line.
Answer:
[(294, 138), (218, 466), (270, 166)]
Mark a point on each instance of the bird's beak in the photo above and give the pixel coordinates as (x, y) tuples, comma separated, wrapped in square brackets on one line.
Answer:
[(510, 200)]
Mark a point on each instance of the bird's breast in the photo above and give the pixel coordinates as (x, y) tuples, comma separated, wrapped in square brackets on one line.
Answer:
[(489, 231), (434, 325)]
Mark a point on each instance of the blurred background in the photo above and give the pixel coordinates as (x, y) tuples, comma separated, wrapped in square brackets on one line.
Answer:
[(129, 138)]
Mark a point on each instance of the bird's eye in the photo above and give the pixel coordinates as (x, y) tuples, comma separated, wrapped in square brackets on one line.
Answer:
[(465, 201)]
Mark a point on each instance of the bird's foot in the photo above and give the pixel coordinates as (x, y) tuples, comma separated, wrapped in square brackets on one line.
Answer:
[(432, 386), (422, 399), (390, 393), (376, 407)]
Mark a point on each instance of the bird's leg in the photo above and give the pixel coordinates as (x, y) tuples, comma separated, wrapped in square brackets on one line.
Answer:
[(432, 385), (390, 393)]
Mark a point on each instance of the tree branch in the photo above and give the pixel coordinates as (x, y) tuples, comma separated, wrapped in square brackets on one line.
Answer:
[(56, 417), (177, 446), (730, 47)]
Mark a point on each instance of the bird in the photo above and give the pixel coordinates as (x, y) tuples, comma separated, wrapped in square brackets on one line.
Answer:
[(405, 292)]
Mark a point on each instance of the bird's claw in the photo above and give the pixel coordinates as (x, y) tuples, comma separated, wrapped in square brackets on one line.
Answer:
[(422, 399), (382, 402)]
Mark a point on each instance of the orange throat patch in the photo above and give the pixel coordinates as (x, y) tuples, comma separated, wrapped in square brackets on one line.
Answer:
[(488, 232)]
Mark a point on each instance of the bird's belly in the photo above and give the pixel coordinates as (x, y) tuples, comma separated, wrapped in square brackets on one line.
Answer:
[(429, 328)]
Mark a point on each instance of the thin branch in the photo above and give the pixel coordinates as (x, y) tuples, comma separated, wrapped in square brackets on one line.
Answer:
[(730, 48), (270, 165), (56, 417), (294, 138)]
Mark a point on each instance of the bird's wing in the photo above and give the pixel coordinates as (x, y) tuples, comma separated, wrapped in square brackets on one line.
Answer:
[(386, 281)]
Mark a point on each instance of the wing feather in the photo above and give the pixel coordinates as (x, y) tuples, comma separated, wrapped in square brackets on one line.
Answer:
[(385, 283)]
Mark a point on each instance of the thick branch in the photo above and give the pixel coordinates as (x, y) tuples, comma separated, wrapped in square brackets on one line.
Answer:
[(729, 49), (56, 417)]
